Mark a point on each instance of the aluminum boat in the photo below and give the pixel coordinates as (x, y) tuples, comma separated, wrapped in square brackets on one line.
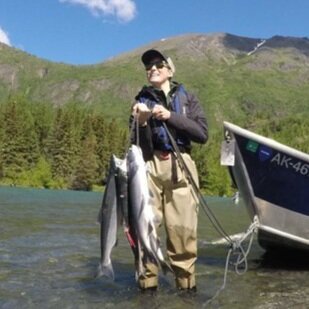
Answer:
[(273, 182)]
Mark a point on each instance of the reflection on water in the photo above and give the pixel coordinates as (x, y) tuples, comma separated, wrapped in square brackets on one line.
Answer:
[(49, 252)]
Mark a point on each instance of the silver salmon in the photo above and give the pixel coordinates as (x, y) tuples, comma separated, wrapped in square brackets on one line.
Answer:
[(109, 219), (141, 210), (126, 202)]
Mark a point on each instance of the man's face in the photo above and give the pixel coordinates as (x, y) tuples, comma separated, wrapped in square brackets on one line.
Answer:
[(158, 72)]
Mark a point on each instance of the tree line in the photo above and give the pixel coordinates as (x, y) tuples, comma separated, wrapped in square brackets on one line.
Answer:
[(69, 146)]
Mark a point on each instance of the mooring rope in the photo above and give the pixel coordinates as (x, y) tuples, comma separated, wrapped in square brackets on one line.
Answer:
[(199, 195), (242, 255)]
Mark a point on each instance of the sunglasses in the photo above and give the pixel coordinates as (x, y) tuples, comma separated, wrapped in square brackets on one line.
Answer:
[(158, 65)]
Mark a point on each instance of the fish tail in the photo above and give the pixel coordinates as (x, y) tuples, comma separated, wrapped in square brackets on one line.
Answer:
[(106, 271)]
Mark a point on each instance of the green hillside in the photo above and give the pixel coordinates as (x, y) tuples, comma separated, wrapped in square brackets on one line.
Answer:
[(259, 84)]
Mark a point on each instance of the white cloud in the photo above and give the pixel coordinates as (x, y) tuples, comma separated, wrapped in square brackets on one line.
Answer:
[(4, 38), (124, 10)]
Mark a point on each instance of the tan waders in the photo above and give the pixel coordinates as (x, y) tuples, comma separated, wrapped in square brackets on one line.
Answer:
[(172, 197)]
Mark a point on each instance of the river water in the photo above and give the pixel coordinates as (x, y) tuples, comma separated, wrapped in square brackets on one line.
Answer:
[(49, 253)]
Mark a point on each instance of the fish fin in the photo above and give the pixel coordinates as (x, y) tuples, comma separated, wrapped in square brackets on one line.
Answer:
[(106, 271), (130, 239)]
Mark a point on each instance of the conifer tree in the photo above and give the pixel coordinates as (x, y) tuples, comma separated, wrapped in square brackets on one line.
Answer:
[(20, 150), (43, 115), (87, 167), (101, 134), (63, 145)]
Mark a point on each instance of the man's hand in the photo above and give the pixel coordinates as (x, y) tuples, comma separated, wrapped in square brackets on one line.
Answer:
[(142, 113), (161, 113)]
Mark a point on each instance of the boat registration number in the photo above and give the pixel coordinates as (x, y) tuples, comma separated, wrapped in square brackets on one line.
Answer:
[(291, 163)]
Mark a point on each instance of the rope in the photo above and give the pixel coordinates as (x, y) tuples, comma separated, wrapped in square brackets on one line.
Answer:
[(195, 187), (241, 257), (224, 280), (238, 245)]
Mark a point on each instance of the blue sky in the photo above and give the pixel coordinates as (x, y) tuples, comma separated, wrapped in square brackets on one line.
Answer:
[(91, 31)]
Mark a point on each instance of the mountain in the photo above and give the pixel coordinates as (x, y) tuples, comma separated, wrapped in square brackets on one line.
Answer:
[(235, 78)]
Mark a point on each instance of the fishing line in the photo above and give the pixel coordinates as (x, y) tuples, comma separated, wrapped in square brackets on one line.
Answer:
[(134, 128)]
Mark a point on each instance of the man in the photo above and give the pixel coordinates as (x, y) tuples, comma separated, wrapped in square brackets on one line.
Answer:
[(172, 196)]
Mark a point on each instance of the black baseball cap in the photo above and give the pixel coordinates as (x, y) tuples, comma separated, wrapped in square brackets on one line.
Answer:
[(151, 54)]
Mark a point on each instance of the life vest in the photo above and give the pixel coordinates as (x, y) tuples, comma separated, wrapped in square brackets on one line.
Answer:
[(178, 104)]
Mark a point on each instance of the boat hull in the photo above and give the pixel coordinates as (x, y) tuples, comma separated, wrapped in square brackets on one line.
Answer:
[(273, 180)]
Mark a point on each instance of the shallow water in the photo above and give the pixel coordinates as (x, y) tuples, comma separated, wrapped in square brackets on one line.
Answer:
[(49, 253)]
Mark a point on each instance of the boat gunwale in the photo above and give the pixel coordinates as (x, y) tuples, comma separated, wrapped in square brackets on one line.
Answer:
[(266, 141)]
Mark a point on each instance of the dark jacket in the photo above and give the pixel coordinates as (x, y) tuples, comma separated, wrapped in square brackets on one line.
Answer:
[(186, 125)]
